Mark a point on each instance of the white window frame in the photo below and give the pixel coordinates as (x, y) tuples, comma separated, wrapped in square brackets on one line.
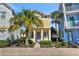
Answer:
[(2, 14)]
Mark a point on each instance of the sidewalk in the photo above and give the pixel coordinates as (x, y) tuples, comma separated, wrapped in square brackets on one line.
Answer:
[(39, 51)]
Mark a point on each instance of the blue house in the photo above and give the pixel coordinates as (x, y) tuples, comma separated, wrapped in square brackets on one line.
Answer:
[(70, 22)]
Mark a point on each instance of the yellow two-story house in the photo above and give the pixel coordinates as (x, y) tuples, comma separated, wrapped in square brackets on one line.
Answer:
[(39, 34)]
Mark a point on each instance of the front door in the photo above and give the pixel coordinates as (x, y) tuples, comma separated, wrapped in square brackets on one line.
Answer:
[(38, 36)]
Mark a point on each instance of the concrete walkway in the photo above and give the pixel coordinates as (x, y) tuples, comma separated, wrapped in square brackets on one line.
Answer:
[(39, 51)]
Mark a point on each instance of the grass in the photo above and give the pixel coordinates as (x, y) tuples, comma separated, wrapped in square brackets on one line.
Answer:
[(3, 43)]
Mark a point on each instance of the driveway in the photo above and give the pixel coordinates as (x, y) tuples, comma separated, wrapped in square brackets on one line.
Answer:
[(39, 51)]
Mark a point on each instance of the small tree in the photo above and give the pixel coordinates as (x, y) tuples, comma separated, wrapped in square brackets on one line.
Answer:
[(25, 18), (57, 18)]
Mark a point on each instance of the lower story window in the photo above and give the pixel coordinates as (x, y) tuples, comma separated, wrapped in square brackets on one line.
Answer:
[(31, 35), (45, 34)]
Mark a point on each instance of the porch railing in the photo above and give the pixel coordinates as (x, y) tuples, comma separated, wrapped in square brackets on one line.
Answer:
[(72, 8), (72, 23)]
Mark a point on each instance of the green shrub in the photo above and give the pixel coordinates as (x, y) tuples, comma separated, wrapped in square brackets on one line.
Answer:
[(3, 43), (46, 44), (31, 43), (57, 44), (75, 46), (64, 44)]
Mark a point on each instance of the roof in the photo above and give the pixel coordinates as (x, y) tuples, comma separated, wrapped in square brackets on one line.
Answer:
[(6, 5), (42, 14), (55, 21)]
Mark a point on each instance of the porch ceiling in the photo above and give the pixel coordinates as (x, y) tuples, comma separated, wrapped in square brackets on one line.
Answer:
[(39, 29)]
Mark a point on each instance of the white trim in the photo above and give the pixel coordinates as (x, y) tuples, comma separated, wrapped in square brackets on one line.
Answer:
[(74, 27), (71, 11), (34, 35), (50, 35), (41, 35)]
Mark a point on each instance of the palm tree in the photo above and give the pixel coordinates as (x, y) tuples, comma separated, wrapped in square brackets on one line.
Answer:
[(57, 18), (25, 18)]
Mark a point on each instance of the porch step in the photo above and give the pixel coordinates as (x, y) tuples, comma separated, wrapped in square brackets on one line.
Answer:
[(37, 45)]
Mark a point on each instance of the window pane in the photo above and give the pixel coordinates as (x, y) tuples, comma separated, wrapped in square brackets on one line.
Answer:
[(3, 12), (45, 34), (31, 34), (0, 11), (3, 15)]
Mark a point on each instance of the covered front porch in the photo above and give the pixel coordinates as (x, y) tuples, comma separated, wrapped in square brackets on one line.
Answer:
[(40, 34)]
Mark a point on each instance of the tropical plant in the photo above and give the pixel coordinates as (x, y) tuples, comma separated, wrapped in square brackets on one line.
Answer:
[(46, 43), (75, 45), (64, 44), (31, 43), (3, 29), (57, 44), (57, 19), (25, 18)]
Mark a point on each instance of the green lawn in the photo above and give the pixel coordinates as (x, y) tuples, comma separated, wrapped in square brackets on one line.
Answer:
[(3, 43)]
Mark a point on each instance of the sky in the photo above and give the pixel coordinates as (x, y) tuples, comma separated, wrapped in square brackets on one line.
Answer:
[(45, 8)]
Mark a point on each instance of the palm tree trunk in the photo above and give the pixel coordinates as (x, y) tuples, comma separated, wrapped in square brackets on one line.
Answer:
[(26, 40), (56, 25), (27, 37)]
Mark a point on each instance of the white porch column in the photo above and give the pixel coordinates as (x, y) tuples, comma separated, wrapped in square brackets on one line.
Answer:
[(65, 18), (41, 35), (34, 35), (49, 34)]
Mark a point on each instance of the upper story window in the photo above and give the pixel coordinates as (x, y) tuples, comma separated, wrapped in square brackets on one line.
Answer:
[(68, 4), (75, 4), (71, 18), (44, 16), (3, 15), (72, 6)]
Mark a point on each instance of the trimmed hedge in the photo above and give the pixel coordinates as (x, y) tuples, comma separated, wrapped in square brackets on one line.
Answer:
[(45, 44), (3, 43)]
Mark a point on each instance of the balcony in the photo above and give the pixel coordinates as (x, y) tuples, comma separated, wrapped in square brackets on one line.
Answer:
[(73, 23), (72, 8)]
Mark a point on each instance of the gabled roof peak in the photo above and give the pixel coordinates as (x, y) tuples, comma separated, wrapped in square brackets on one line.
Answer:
[(6, 5)]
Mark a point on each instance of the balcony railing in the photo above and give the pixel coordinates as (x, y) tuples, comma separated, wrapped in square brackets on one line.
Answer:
[(73, 23), (72, 8)]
